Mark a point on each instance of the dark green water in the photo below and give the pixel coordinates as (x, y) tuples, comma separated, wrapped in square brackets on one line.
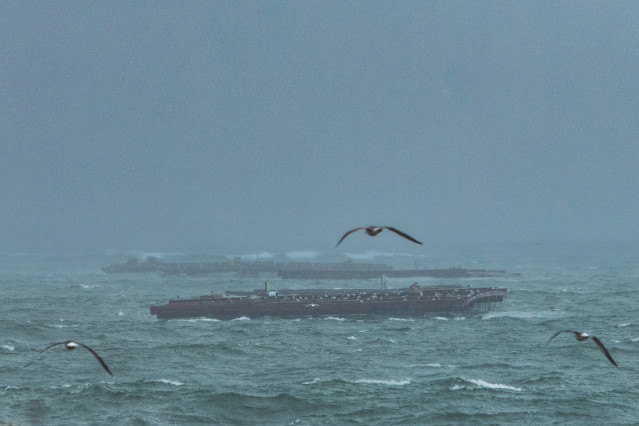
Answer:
[(493, 368)]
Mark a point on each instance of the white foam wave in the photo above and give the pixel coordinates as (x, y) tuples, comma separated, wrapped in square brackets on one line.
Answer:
[(400, 319), (166, 382), (365, 381), (172, 382), (87, 286), (242, 319), (383, 382), (120, 313), (634, 340), (352, 338), (484, 384), (200, 319), (441, 318), (624, 325), (523, 314), (8, 347), (335, 318)]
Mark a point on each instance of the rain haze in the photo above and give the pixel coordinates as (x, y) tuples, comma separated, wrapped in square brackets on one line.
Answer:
[(248, 126)]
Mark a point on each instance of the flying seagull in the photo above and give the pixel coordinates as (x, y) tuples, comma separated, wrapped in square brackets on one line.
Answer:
[(374, 230), (71, 345), (581, 336)]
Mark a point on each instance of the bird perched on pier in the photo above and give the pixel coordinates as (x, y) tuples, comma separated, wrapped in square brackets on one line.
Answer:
[(581, 336), (374, 230), (71, 345)]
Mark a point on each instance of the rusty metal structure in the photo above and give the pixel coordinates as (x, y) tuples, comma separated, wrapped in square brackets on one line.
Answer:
[(413, 301)]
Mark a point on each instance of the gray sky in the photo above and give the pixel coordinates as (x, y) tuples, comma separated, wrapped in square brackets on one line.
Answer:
[(240, 126)]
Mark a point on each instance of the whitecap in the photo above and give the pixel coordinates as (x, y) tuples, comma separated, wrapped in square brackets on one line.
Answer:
[(383, 382), (441, 318), (202, 319), (166, 382), (312, 382), (496, 386), (120, 313), (336, 318), (634, 340), (523, 314), (624, 325), (8, 347), (242, 319), (352, 338), (61, 326), (171, 382), (400, 319)]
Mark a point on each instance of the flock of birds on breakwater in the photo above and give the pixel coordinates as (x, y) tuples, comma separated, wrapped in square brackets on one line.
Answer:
[(371, 231)]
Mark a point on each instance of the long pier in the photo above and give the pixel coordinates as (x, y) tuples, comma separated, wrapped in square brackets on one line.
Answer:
[(295, 270)]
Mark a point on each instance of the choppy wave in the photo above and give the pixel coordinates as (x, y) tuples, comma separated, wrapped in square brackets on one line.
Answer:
[(166, 382), (540, 314), (241, 319), (383, 382), (203, 319), (61, 325), (315, 370), (479, 383), (389, 382)]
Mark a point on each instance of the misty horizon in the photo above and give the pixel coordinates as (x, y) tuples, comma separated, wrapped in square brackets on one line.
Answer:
[(237, 127)]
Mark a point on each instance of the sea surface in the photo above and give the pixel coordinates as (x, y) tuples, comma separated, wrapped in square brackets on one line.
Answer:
[(491, 368)]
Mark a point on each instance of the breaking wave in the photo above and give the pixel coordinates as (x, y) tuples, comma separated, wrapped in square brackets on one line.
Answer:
[(479, 383)]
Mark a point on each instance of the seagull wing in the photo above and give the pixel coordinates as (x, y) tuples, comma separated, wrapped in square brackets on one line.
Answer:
[(604, 350), (97, 357), (398, 232), (349, 232), (46, 349)]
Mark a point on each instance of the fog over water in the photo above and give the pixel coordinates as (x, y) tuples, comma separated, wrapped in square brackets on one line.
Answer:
[(240, 127)]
